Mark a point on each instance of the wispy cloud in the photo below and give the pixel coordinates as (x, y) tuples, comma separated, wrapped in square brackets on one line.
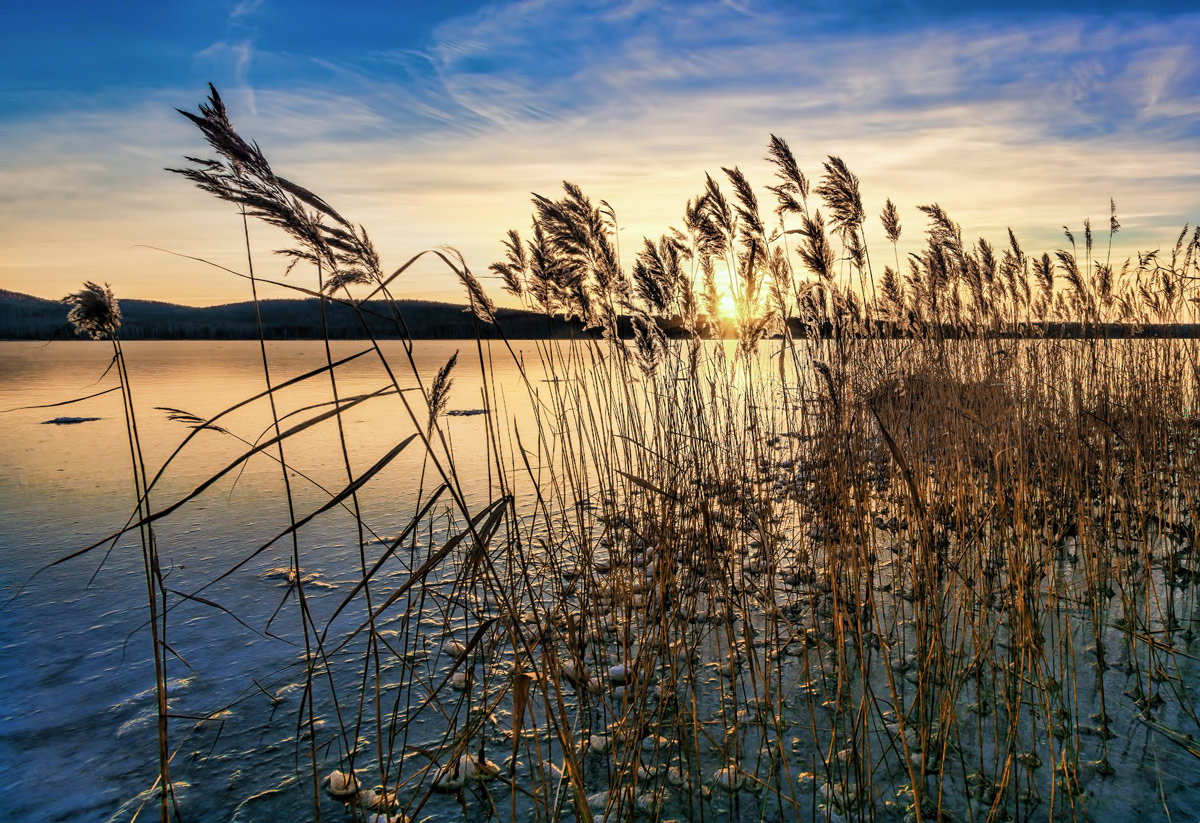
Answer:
[(1086, 71), (244, 9), (1023, 124), (237, 54), (1030, 123)]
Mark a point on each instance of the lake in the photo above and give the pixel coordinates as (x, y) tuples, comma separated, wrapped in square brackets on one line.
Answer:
[(769, 631), (75, 674)]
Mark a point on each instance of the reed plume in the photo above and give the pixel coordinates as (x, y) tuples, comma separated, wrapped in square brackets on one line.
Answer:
[(94, 311), (869, 574), (439, 392), (839, 190)]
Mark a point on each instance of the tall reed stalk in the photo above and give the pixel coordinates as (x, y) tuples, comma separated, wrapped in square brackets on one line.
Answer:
[(96, 313), (932, 557)]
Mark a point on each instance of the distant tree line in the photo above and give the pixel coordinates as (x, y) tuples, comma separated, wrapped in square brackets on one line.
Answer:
[(23, 317), (30, 318)]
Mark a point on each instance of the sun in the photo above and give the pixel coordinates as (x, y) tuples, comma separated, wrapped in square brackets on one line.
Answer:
[(727, 307)]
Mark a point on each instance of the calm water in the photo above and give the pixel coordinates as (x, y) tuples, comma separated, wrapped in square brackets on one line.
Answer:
[(75, 673)]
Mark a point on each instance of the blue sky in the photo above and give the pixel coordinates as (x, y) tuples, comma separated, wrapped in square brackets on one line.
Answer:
[(432, 123)]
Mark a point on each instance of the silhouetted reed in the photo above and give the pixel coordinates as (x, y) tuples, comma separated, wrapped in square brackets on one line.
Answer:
[(891, 554)]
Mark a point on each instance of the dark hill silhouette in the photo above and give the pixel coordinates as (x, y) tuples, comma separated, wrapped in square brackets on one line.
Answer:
[(25, 317)]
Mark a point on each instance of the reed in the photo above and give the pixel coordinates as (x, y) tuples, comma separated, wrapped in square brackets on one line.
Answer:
[(893, 553), (96, 313)]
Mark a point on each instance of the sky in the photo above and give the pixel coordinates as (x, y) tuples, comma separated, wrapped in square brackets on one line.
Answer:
[(431, 124)]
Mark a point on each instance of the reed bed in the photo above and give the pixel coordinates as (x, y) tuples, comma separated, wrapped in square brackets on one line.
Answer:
[(895, 552)]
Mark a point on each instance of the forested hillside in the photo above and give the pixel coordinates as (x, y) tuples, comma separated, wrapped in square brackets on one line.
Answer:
[(23, 317)]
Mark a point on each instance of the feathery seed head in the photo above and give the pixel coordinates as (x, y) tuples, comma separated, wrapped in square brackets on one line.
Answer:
[(439, 393), (839, 189), (891, 221), (788, 171), (94, 311), (479, 303)]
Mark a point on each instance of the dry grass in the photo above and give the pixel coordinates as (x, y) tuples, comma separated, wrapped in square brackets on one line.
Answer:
[(903, 560)]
